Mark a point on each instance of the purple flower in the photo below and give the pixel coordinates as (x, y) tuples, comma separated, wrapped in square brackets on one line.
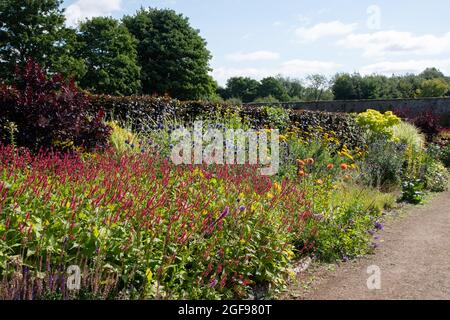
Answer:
[(242, 208), (319, 217), (224, 214), (371, 232), (213, 283), (379, 226)]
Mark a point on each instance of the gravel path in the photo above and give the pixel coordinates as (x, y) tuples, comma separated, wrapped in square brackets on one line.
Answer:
[(414, 260)]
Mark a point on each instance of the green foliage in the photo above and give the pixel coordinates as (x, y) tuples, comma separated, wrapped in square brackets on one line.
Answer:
[(34, 29), (383, 165), (436, 177), (111, 58), (318, 88), (272, 86), (412, 191), (356, 87), (173, 56), (378, 123), (277, 117), (350, 220), (408, 134), (245, 89), (446, 156), (433, 88)]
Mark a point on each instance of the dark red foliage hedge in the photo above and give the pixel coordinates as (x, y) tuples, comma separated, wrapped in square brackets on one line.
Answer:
[(143, 112), (49, 113)]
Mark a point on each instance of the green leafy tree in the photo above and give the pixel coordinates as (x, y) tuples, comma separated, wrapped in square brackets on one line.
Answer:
[(173, 55), (111, 57), (34, 29), (272, 86), (431, 73), (317, 86), (293, 87), (345, 87), (433, 88), (242, 88)]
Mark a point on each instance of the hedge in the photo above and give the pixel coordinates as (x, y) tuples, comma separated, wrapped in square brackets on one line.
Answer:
[(141, 111)]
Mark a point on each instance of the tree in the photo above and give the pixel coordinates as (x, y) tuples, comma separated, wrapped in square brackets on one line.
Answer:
[(345, 87), (173, 56), (111, 57), (33, 29), (431, 73), (293, 87), (433, 88), (243, 88), (272, 86), (318, 84)]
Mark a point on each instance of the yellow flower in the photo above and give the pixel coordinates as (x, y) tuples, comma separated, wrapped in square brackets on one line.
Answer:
[(277, 187), (96, 232), (149, 275), (270, 195), (68, 204), (242, 241), (290, 253)]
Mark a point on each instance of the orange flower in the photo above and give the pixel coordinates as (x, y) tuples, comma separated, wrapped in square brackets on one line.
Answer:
[(344, 166), (301, 173), (330, 166), (301, 163), (309, 161)]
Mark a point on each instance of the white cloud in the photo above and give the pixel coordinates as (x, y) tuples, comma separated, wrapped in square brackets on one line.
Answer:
[(409, 66), (384, 43), (324, 29), (293, 68), (85, 9), (262, 55), (304, 67), (222, 74)]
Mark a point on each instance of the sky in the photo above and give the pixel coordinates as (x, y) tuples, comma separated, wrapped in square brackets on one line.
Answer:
[(295, 38)]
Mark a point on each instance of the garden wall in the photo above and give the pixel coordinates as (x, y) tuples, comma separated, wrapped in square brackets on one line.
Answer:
[(413, 107)]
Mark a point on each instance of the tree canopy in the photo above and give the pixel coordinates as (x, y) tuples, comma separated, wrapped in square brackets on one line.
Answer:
[(109, 51), (34, 29), (172, 54)]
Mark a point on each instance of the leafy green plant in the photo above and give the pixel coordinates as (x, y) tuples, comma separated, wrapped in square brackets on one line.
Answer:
[(277, 117), (378, 123), (436, 177), (412, 191), (446, 156), (408, 134)]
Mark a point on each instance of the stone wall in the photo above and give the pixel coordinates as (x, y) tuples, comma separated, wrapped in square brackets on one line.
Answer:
[(411, 107)]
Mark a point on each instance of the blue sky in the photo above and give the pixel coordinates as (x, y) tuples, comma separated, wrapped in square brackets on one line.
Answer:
[(294, 38)]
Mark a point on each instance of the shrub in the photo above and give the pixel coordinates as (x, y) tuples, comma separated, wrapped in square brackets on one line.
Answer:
[(412, 191), (342, 125), (408, 134), (436, 177), (378, 123), (446, 156), (428, 123), (145, 112), (49, 113)]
